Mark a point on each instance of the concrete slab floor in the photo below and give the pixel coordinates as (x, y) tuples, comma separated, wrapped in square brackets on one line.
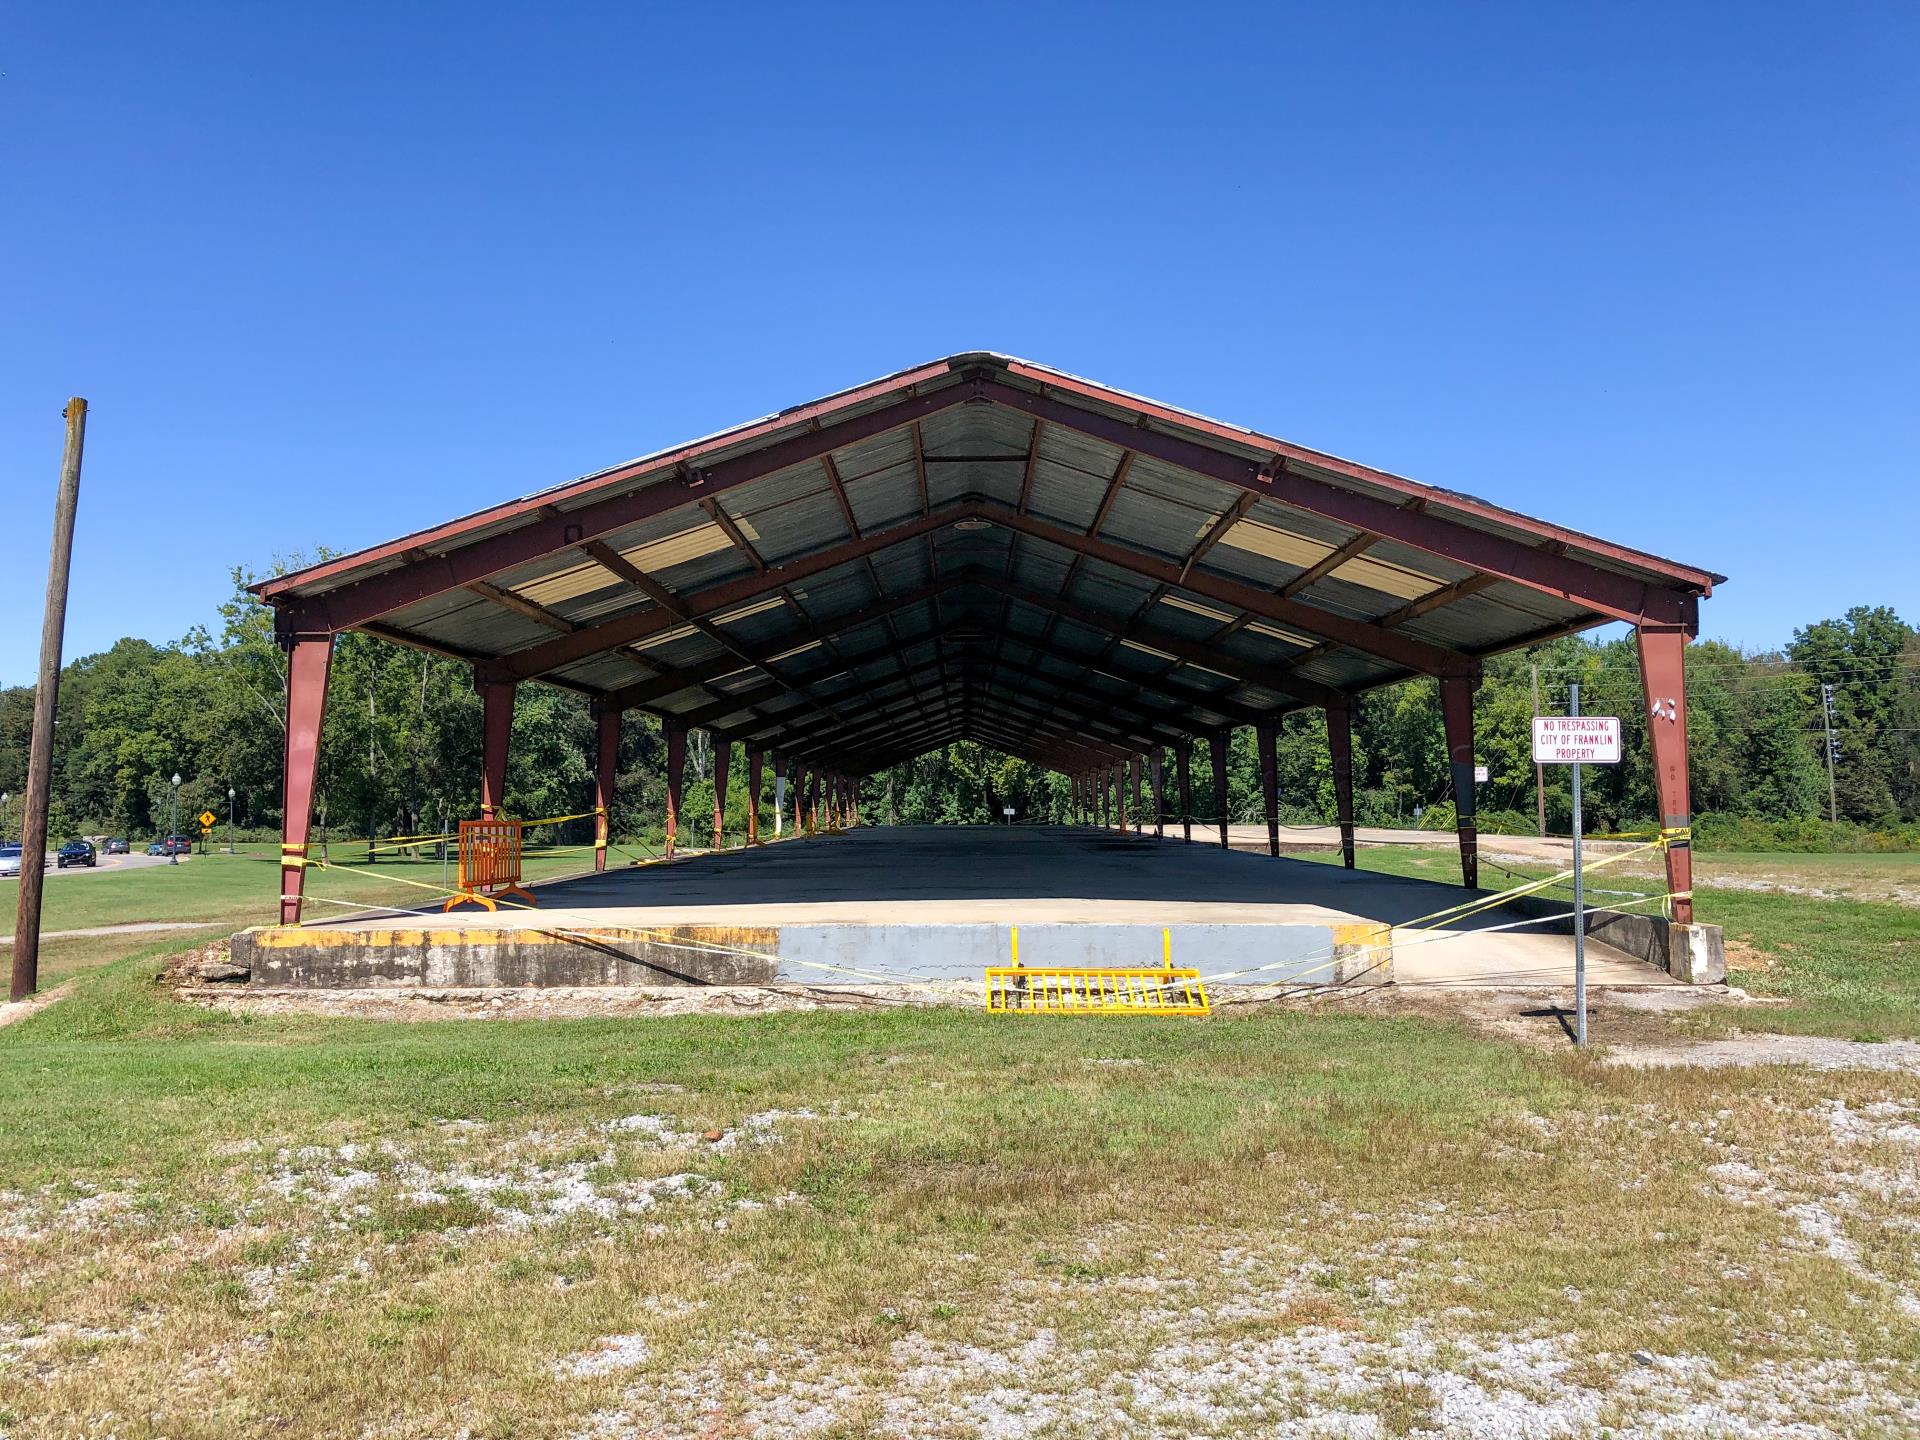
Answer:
[(897, 876)]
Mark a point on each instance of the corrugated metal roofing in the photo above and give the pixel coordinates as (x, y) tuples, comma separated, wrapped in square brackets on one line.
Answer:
[(1230, 593)]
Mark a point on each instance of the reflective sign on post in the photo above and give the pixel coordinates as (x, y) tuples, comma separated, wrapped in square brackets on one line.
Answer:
[(1576, 739)]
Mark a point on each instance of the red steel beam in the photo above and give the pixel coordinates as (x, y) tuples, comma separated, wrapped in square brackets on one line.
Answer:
[(1294, 614), (669, 600), (550, 530), (1621, 596), (1229, 518), (1235, 668), (925, 722), (1175, 722), (990, 732), (907, 708), (752, 700), (692, 677), (564, 650), (1181, 694), (1151, 719), (1327, 563)]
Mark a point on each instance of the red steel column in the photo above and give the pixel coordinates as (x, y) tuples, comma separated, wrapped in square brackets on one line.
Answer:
[(676, 768), (1269, 784), (308, 660), (1340, 746), (797, 789), (1139, 768), (1663, 673), (780, 769), (722, 758), (1120, 794), (1157, 765), (1217, 750), (1456, 708), (756, 774), (606, 766), (1183, 764), (496, 723)]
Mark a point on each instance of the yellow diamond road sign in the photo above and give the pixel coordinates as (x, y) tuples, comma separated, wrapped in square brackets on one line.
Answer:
[(206, 817)]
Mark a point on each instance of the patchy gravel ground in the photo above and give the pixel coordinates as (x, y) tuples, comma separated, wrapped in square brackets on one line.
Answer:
[(723, 1305)]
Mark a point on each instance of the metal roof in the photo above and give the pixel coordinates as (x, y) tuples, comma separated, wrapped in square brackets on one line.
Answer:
[(983, 547)]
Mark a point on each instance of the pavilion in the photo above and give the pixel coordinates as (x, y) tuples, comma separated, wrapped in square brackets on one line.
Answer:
[(983, 547)]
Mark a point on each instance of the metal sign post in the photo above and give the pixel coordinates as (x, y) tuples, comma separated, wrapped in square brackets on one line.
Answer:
[(1579, 894), (1575, 739)]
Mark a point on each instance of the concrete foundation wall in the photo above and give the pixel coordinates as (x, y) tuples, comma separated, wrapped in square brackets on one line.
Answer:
[(1328, 954), (475, 958), (373, 959), (1691, 954)]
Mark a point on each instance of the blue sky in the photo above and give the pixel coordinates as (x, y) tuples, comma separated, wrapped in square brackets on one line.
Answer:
[(331, 273)]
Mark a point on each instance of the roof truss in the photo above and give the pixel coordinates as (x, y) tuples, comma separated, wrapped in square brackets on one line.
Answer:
[(974, 537)]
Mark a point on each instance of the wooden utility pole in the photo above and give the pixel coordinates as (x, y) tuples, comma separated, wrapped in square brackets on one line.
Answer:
[(33, 833)]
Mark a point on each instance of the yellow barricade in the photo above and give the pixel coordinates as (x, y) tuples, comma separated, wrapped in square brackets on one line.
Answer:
[(1018, 989), (489, 863), (1095, 990)]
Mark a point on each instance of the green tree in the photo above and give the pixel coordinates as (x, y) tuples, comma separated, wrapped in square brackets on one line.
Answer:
[(1859, 655)]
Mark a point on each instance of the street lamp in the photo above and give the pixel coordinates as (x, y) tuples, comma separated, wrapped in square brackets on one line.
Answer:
[(6, 806), (229, 819), (173, 823)]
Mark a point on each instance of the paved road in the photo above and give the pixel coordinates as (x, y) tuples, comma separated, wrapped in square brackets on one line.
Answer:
[(137, 928), (111, 864)]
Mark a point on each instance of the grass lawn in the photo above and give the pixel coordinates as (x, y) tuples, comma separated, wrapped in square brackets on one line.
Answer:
[(930, 1223), (1850, 967)]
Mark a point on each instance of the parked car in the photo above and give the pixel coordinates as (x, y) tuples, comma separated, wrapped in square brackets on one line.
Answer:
[(76, 852), (9, 859), (114, 846)]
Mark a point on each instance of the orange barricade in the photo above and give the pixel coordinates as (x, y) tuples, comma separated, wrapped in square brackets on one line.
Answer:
[(489, 863)]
